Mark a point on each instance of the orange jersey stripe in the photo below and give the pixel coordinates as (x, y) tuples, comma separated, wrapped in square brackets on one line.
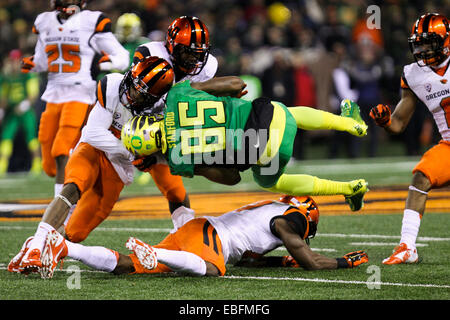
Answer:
[(100, 94), (101, 25)]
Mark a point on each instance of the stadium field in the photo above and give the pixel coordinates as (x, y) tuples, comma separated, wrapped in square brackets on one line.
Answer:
[(142, 212)]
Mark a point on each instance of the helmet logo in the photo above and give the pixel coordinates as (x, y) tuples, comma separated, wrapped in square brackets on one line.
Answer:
[(136, 142)]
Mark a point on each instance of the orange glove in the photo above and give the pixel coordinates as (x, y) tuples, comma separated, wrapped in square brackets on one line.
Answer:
[(355, 258), (104, 58), (144, 164), (381, 114), (288, 261), (27, 64)]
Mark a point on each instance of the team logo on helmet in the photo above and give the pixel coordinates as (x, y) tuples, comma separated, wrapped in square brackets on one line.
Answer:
[(141, 135)]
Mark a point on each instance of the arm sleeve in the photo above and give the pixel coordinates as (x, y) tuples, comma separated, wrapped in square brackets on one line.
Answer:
[(97, 133), (40, 57), (107, 42)]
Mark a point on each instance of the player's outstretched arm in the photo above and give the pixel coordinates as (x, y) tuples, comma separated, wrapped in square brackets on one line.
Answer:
[(310, 260), (222, 86), (397, 122)]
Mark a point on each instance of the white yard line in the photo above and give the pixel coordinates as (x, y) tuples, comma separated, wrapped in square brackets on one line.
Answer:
[(328, 235), (381, 244), (423, 285), (316, 280)]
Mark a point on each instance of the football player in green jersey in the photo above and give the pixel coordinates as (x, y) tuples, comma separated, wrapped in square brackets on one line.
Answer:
[(18, 92), (208, 131)]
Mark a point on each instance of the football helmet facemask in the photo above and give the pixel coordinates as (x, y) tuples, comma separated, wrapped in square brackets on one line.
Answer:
[(187, 42), (309, 207), (68, 7), (145, 83), (429, 41)]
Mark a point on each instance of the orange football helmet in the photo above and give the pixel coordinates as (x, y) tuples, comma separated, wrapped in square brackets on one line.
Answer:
[(151, 77), (309, 207), (429, 41), (187, 42)]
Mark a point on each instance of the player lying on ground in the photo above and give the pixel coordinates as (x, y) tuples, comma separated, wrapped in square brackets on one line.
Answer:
[(205, 245), (427, 80), (100, 166), (207, 131)]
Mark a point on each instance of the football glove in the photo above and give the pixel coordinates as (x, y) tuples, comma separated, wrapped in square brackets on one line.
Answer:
[(27, 64), (381, 114), (144, 164), (356, 258), (289, 262), (105, 63)]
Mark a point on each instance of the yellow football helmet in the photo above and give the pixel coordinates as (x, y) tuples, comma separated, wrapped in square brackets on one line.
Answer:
[(141, 135), (128, 27)]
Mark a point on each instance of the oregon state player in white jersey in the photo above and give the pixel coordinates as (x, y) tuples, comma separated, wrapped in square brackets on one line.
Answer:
[(186, 47), (68, 39), (205, 245), (426, 80), (100, 166)]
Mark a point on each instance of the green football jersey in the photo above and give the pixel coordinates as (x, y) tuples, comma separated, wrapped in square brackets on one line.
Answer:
[(202, 129), (196, 125)]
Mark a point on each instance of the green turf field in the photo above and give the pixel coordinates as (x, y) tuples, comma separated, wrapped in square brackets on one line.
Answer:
[(337, 235)]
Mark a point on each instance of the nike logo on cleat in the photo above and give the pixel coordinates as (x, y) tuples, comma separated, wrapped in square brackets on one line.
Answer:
[(357, 187)]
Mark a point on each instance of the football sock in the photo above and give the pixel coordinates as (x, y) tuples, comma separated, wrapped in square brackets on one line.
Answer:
[(314, 119), (40, 236), (6, 147), (302, 184), (180, 216), (410, 227), (181, 261), (58, 188), (98, 258)]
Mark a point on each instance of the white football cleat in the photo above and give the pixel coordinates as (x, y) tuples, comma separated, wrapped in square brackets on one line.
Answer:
[(144, 252), (55, 249), (402, 254), (14, 264)]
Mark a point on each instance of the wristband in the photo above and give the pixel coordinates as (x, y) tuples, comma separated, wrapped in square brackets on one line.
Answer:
[(341, 263)]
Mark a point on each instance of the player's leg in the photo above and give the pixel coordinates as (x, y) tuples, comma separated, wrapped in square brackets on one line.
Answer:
[(82, 171), (48, 126), (73, 116), (428, 174), (96, 202), (269, 171), (29, 126), (57, 248), (10, 126), (314, 119), (194, 249)]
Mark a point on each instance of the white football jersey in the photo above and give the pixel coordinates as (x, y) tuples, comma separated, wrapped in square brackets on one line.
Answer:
[(433, 90), (157, 48), (104, 125), (66, 50), (248, 229)]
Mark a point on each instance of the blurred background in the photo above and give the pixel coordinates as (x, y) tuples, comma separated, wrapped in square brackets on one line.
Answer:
[(304, 52)]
